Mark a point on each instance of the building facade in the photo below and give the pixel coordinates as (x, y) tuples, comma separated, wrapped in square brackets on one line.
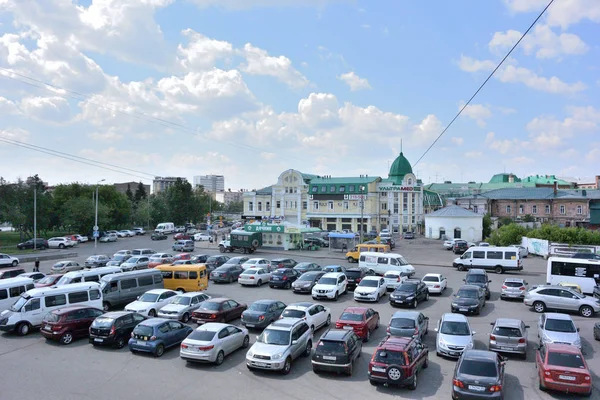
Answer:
[(454, 222), (211, 183), (228, 197), (122, 187), (163, 183)]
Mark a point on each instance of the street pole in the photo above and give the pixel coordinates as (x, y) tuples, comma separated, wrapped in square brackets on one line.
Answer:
[(34, 217), (96, 219), (362, 208), (148, 196)]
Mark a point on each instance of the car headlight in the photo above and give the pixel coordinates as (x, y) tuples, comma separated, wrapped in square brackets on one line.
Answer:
[(577, 342), (454, 305), (546, 338), (469, 345), (250, 354), (277, 356), (410, 297), (441, 342)]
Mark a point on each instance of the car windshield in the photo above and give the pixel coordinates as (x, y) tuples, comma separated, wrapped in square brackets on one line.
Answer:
[(203, 336), (332, 269), (513, 284), (368, 283), (273, 336), (259, 307), (505, 331), (560, 325), (466, 294), (407, 287), (402, 323), (143, 330), (431, 279), (565, 360), (182, 300), (390, 357), (47, 280), (149, 297), (60, 264), (211, 259), (251, 262), (293, 314), (210, 306), (350, 316), (133, 260), (103, 322), (478, 368), (353, 274), (476, 278), (302, 265), (455, 328), (308, 277), (331, 347), (16, 307), (327, 281)]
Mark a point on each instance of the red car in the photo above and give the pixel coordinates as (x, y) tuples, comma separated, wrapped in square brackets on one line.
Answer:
[(183, 236), (397, 361), (49, 280), (561, 367), (183, 256), (69, 323), (218, 310), (362, 320)]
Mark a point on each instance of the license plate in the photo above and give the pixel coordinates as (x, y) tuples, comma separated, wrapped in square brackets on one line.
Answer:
[(250, 325), (275, 279), (330, 358), (47, 327), (453, 353), (349, 328), (477, 388), (378, 369), (98, 340), (139, 342), (506, 348), (567, 377), (258, 364), (463, 309)]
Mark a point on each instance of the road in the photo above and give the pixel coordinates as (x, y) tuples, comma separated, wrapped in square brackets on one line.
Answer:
[(34, 368)]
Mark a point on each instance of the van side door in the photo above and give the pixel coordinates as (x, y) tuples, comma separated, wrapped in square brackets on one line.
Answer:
[(129, 289)]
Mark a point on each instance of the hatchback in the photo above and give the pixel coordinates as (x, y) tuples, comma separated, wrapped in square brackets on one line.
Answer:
[(408, 324), (261, 313), (183, 305), (114, 328), (562, 368), (558, 328), (212, 342), (410, 293), (155, 335), (69, 323), (398, 361), (436, 283), (509, 336), (218, 310), (460, 246), (336, 351), (394, 278), (479, 374), (454, 335), (283, 278), (468, 299), (307, 281), (514, 288), (96, 261), (561, 298), (361, 320), (355, 275), (35, 276)]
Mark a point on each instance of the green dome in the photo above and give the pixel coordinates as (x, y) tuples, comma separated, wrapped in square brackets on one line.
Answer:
[(399, 168)]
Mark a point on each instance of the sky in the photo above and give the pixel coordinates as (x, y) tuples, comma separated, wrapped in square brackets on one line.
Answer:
[(250, 88)]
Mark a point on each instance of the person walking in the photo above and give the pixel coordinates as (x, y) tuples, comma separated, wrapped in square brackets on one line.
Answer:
[(36, 267)]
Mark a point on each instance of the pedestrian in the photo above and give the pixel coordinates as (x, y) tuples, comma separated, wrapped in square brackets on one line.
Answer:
[(36, 267)]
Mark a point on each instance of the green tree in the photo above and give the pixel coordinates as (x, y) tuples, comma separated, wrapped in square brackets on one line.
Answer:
[(487, 224), (238, 207), (528, 218), (129, 193), (140, 193), (507, 235)]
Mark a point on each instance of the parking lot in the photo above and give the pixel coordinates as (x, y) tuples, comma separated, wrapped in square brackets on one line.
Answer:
[(33, 368)]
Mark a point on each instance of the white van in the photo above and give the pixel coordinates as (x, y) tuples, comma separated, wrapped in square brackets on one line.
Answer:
[(88, 275), (380, 263), (499, 259), (31, 307), (11, 289), (165, 227)]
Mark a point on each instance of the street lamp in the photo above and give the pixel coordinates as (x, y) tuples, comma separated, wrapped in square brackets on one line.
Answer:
[(96, 219), (362, 208)]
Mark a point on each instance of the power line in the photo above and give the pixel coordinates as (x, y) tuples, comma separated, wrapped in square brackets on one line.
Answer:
[(485, 82)]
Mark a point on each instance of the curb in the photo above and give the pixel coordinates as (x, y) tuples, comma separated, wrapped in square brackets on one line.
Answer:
[(31, 257)]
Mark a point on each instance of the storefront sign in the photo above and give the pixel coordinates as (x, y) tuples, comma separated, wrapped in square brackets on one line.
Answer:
[(264, 228), (397, 189), (355, 197)]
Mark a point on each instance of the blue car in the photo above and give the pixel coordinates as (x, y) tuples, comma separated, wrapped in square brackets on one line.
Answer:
[(155, 335)]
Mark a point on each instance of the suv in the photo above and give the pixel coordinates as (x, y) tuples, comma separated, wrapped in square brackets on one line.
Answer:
[(69, 323), (279, 344), (479, 277), (114, 328), (330, 286), (460, 246), (397, 361), (561, 298), (336, 352), (183, 245), (40, 244), (59, 243), (355, 275)]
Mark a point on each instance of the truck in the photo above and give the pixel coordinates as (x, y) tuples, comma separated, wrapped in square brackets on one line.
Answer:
[(242, 241)]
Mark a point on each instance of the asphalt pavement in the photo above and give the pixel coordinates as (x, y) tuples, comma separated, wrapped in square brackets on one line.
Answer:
[(34, 368)]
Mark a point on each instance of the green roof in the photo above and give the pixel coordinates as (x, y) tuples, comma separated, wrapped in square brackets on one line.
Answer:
[(341, 185), (266, 190), (343, 180), (399, 168), (504, 178), (546, 180), (432, 198)]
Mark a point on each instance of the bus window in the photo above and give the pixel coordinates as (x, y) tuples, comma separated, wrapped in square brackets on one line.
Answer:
[(193, 275), (167, 274), (181, 275)]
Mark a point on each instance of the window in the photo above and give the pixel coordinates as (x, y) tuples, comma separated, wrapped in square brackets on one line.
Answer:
[(164, 328), (128, 283), (351, 188), (521, 208), (534, 209), (145, 281), (16, 291), (92, 278), (250, 206), (346, 205), (58, 300), (167, 274), (342, 189), (508, 209), (384, 206), (494, 255), (579, 210), (94, 294), (78, 297), (405, 219), (3, 294), (193, 275), (278, 204), (158, 278), (479, 254), (314, 189), (547, 209), (510, 255), (305, 205), (475, 209), (395, 208), (260, 206), (181, 275), (562, 209), (286, 204), (315, 205), (331, 189), (34, 304), (323, 189), (330, 205), (268, 206)]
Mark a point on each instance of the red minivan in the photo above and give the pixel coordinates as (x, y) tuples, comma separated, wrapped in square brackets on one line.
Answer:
[(69, 323)]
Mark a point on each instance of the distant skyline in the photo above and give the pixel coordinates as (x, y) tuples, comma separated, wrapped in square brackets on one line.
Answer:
[(250, 88)]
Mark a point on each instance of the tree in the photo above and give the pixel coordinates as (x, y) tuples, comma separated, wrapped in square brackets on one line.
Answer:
[(140, 193), (238, 207), (487, 224), (528, 218), (129, 193), (507, 235)]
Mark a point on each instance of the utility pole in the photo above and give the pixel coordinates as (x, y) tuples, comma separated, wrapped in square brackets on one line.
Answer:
[(34, 216), (362, 208)]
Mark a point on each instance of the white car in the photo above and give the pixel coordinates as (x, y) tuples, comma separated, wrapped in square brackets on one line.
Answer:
[(523, 252), (436, 283), (254, 277), (394, 278), (201, 237), (60, 243), (150, 302), (315, 314), (558, 328), (330, 286), (109, 237), (211, 342), (5, 260), (454, 335), (122, 253), (370, 288), (81, 238), (183, 305), (257, 262), (125, 233), (449, 244)]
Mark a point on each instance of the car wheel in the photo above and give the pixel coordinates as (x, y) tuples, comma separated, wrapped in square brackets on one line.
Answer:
[(498, 270), (427, 296), (23, 329), (160, 350), (288, 285), (336, 296), (461, 267), (345, 290), (415, 303), (220, 358), (541, 387), (106, 306), (539, 307), (350, 368), (246, 342), (413, 383), (426, 363), (287, 366), (61, 246), (394, 373), (328, 322), (185, 318), (368, 337), (308, 349), (66, 338), (259, 283), (152, 313), (120, 343), (586, 311), (231, 279), (374, 383), (15, 263), (350, 260)]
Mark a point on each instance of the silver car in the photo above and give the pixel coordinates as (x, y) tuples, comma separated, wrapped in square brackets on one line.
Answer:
[(545, 297), (66, 266), (212, 342), (514, 288), (509, 336), (182, 306), (135, 263), (558, 328), (454, 335), (408, 324), (523, 252)]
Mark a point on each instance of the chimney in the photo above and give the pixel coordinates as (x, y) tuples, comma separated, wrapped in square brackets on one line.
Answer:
[(555, 187)]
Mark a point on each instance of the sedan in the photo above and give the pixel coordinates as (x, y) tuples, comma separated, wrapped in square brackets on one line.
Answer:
[(306, 282), (199, 258), (469, 299), (306, 267), (410, 293), (213, 262), (361, 320), (48, 280), (334, 268), (218, 310), (122, 253), (183, 305), (150, 302), (126, 233), (120, 259), (96, 261), (283, 278), (261, 313), (109, 237), (509, 336), (158, 236), (257, 262), (212, 342), (66, 266), (182, 236), (436, 283), (370, 288), (237, 261), (394, 278), (155, 335), (202, 237), (283, 263), (561, 367), (36, 276), (408, 324), (226, 273), (478, 372), (254, 277)]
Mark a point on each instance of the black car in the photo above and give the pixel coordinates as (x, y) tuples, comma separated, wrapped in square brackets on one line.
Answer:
[(114, 328), (411, 292), (306, 267), (316, 241), (586, 256), (213, 262), (199, 258), (460, 246), (158, 236), (478, 372), (355, 275), (283, 278), (283, 263), (306, 281), (478, 277), (28, 244), (389, 241), (226, 273), (336, 351), (469, 299)]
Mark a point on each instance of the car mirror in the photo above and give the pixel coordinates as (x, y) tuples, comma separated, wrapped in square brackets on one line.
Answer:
[(435, 329), (426, 317), (577, 329), (137, 298), (492, 323), (464, 280), (473, 332), (490, 281), (526, 326), (294, 342)]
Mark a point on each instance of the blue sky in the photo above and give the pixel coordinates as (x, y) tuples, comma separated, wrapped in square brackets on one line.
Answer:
[(249, 88)]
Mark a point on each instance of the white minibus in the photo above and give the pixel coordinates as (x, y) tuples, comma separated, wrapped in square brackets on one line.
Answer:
[(585, 273), (88, 275), (11, 289), (499, 259)]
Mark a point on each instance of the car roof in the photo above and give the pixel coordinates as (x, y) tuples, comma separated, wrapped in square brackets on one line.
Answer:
[(558, 316), (355, 310), (354, 269), (394, 343), (476, 271), (159, 291), (302, 304), (432, 274), (155, 321), (219, 300), (480, 354), (336, 334), (333, 275), (117, 314), (212, 327), (508, 322), (406, 314), (189, 294), (285, 323), (562, 348), (514, 280), (265, 301), (65, 310), (469, 287), (454, 317), (371, 278)]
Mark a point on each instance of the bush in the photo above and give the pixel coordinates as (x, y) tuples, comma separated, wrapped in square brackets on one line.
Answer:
[(512, 234), (507, 235)]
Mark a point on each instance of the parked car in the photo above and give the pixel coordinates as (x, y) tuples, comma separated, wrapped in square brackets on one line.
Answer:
[(544, 298), (409, 235), (514, 288), (315, 314), (454, 335), (336, 351), (361, 320), (334, 268), (96, 261), (279, 344), (479, 277), (262, 313), (139, 231), (283, 278), (213, 262), (397, 361), (125, 233), (157, 259), (469, 299), (218, 310), (48, 280), (150, 302), (316, 241), (158, 236), (183, 236), (155, 335), (257, 262), (409, 293), (226, 273), (135, 263), (306, 267), (479, 374), (199, 258), (142, 252), (60, 243), (306, 281), (109, 237), (389, 241), (523, 252), (370, 288), (183, 245), (436, 283), (355, 275), (35, 276), (213, 341), (202, 237), (67, 324), (509, 336), (283, 263), (6, 260), (254, 277), (460, 246), (572, 286), (66, 266), (40, 244), (330, 286), (449, 244), (394, 278), (558, 328), (114, 328), (408, 324), (182, 306), (562, 368)]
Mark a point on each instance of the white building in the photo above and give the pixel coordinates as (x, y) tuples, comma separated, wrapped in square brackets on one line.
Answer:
[(211, 183), (454, 222), (228, 197), (163, 183)]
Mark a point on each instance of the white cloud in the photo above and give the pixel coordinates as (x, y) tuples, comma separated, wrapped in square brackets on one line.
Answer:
[(18, 134), (469, 64), (457, 141), (8, 107), (259, 62), (503, 146), (477, 112), (548, 132), (355, 82), (560, 13), (202, 52), (542, 41), (365, 26), (474, 154), (593, 155), (519, 161), (245, 4), (49, 109), (109, 136)]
